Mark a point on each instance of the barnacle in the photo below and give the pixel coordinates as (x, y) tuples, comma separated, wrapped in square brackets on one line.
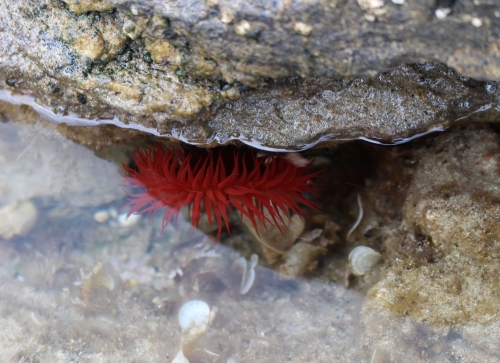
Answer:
[(264, 189)]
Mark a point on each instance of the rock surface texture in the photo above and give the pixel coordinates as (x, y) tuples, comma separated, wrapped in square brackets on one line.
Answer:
[(213, 71), (433, 213)]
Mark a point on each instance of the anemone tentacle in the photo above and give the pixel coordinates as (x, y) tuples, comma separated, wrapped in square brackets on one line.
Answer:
[(217, 180)]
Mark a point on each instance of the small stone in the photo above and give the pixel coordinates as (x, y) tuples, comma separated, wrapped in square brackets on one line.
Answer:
[(476, 22), (226, 16), (370, 4), (101, 216), (161, 282), (442, 13), (232, 93), (242, 28), (303, 28), (369, 17), (131, 221), (17, 219), (147, 57)]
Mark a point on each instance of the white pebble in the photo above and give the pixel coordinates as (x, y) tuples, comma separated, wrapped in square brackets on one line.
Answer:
[(303, 28), (476, 22), (442, 13), (370, 4), (242, 28), (101, 216), (369, 17), (132, 220)]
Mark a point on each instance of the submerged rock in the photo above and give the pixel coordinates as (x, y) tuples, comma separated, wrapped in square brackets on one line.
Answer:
[(434, 213), (430, 208), (453, 204), (37, 162)]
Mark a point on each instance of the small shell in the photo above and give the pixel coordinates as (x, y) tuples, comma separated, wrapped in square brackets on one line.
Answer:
[(129, 221), (102, 278), (248, 277), (99, 278), (362, 259), (194, 314)]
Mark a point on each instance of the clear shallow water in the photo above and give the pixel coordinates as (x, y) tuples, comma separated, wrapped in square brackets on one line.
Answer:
[(85, 287)]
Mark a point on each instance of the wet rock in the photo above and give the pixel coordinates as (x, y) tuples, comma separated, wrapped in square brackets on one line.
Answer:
[(441, 267), (452, 204), (200, 75), (324, 38)]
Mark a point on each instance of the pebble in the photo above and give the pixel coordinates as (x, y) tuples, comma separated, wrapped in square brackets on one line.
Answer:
[(101, 216), (131, 221), (17, 219)]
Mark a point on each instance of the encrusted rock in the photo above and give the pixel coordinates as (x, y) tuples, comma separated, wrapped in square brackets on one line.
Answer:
[(202, 75)]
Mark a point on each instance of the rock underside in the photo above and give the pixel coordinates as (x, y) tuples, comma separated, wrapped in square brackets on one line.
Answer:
[(280, 75)]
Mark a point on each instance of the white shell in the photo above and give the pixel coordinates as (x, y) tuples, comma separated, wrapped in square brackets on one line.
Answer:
[(194, 314), (129, 221), (248, 277), (362, 259)]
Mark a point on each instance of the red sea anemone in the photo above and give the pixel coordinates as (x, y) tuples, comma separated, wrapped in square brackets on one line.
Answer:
[(219, 179)]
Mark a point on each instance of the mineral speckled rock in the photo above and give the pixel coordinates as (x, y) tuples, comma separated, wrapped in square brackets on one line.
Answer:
[(254, 38), (200, 71)]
